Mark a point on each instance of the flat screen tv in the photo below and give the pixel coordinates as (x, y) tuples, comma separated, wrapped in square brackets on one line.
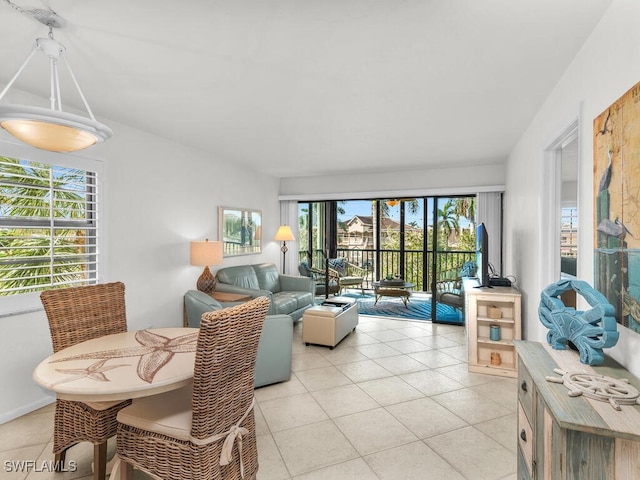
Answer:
[(482, 255)]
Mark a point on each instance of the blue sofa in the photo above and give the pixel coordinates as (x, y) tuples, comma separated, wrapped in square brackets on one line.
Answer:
[(273, 363), (289, 295)]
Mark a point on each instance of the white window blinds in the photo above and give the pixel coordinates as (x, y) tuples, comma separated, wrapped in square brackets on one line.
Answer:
[(48, 226)]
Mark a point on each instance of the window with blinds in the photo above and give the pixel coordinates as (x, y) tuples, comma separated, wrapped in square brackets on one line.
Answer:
[(48, 226)]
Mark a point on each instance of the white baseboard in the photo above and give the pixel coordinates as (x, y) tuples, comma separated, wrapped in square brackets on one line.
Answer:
[(23, 410)]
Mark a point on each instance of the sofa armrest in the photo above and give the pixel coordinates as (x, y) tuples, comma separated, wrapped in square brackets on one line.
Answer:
[(196, 303), (273, 361), (289, 283)]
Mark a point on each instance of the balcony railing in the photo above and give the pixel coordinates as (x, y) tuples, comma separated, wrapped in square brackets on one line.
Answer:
[(448, 264)]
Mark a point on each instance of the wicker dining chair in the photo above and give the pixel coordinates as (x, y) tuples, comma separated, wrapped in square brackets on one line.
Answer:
[(206, 430), (77, 314)]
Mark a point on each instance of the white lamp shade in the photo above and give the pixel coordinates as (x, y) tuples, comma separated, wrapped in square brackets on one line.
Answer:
[(52, 130), (284, 234), (205, 253)]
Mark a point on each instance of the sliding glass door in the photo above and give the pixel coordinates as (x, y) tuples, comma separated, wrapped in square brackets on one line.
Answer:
[(424, 240)]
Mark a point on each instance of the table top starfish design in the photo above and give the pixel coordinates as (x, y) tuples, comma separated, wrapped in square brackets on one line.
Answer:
[(155, 351), (95, 371)]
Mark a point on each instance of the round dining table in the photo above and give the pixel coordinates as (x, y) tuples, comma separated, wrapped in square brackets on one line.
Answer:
[(121, 366)]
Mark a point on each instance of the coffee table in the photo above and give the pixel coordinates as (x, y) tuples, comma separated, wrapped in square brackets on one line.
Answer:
[(403, 291)]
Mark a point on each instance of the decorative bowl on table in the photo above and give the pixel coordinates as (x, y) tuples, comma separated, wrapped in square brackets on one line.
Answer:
[(394, 282)]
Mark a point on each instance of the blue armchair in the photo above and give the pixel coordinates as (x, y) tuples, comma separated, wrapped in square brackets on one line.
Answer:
[(273, 363)]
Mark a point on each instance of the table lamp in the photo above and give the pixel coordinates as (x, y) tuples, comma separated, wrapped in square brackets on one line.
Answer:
[(284, 234), (204, 254)]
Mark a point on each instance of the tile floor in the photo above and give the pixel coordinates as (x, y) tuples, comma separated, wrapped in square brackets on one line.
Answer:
[(394, 400)]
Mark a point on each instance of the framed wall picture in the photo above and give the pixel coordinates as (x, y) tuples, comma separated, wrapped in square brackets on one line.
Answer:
[(616, 190), (240, 230)]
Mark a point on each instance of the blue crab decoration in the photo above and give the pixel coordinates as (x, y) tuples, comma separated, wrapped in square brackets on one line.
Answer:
[(589, 331)]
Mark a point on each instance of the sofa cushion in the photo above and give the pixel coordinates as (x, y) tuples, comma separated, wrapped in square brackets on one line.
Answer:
[(288, 302), (284, 302), (268, 277), (241, 276)]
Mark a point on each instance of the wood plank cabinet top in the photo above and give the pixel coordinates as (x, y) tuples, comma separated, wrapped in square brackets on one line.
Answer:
[(579, 413)]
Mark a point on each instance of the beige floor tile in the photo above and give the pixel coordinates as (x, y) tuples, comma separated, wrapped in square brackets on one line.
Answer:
[(503, 430), (400, 364), (377, 350), (461, 374), (320, 378), (474, 454), (359, 338), (501, 390), (436, 341), (388, 335), (460, 352), (271, 465), (343, 354), (460, 337), (352, 470), (261, 424), (345, 400), (368, 326), (14, 462), (306, 361), (79, 462), (364, 371), (412, 331), (426, 418), (408, 346), (415, 461), (374, 430), (33, 429), (390, 390), (441, 329), (289, 412), (434, 358), (280, 390), (308, 448), (430, 382), (471, 406)]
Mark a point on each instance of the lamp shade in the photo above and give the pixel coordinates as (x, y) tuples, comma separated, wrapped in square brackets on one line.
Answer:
[(284, 234), (205, 253)]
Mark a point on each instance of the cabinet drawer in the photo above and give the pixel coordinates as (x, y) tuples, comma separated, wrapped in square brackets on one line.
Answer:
[(525, 390), (525, 439)]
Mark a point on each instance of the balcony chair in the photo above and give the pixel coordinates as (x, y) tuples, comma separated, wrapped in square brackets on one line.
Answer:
[(77, 314), (320, 279), (206, 430), (449, 290), (346, 274)]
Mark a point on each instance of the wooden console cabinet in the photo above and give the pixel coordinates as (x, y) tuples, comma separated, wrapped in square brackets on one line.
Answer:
[(562, 437), (486, 307)]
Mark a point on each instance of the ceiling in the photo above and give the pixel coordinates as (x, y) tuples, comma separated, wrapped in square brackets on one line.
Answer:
[(310, 87)]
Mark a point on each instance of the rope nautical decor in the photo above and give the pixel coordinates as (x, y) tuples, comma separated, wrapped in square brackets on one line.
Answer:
[(616, 391), (589, 331)]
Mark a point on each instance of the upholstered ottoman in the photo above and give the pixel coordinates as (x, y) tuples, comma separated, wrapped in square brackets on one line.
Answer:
[(329, 323)]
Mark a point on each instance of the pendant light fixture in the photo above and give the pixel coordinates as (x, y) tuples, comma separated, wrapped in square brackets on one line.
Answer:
[(50, 128)]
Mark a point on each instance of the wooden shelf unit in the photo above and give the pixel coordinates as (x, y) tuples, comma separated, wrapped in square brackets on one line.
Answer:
[(478, 323)]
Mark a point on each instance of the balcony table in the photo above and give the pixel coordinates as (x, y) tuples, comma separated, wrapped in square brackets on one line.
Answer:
[(398, 290)]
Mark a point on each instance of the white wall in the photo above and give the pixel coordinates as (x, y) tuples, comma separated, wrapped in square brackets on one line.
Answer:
[(605, 68), (160, 195), (446, 181)]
